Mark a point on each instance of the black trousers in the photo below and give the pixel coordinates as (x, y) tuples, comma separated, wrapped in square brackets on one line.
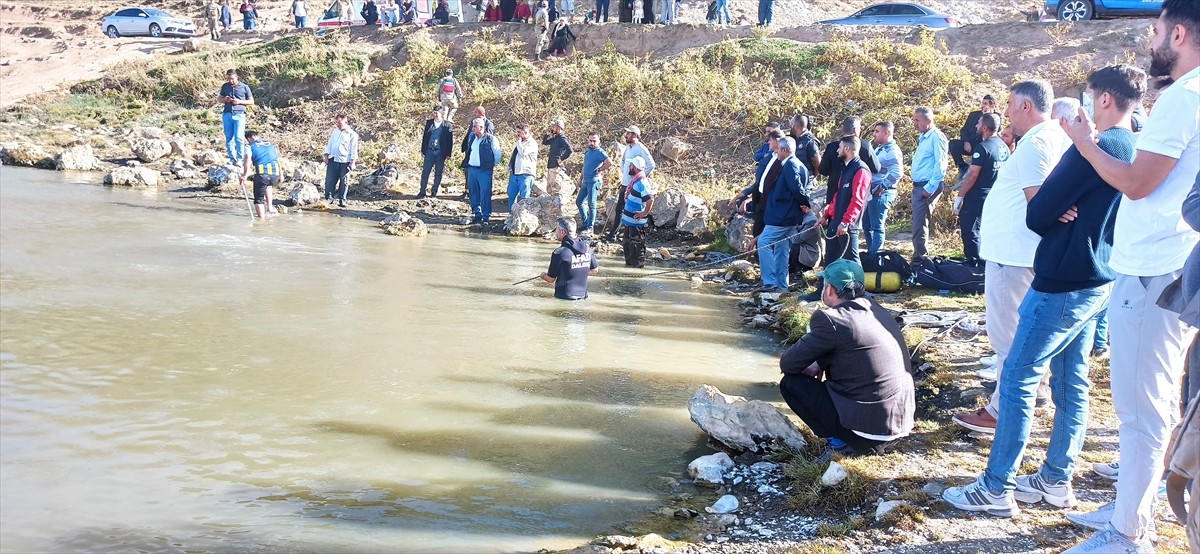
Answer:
[(958, 153), (635, 246), (809, 399), (969, 217)]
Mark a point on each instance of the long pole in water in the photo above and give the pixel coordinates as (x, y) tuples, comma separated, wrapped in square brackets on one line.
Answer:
[(526, 280), (246, 195)]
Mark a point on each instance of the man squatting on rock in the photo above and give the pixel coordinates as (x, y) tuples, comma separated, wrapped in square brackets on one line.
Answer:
[(571, 263), (866, 401)]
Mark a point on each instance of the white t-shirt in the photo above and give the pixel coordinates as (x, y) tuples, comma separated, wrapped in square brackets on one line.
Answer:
[(627, 157), (1003, 237), (1150, 237)]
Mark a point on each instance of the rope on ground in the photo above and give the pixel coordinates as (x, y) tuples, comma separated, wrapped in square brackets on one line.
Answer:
[(730, 259), (963, 320)]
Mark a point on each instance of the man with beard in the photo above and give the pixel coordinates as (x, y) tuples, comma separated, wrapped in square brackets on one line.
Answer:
[(560, 149), (988, 155), (832, 164), (633, 149), (1151, 243), (808, 147), (969, 136)]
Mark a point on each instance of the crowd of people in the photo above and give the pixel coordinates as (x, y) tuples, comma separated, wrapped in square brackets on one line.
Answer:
[(1066, 209)]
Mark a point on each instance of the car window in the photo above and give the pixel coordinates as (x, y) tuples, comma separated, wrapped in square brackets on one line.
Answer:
[(875, 11), (903, 9), (131, 12), (156, 13)]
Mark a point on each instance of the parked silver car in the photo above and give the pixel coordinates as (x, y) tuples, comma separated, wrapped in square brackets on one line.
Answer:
[(911, 15), (146, 21)]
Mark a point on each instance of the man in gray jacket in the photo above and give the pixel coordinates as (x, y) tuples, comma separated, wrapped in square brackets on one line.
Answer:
[(866, 401)]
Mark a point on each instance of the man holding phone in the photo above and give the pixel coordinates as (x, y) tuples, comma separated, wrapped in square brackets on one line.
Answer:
[(235, 95)]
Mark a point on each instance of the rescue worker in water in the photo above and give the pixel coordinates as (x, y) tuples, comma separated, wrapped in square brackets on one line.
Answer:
[(571, 263)]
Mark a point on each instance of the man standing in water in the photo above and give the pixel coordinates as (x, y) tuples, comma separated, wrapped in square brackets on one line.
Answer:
[(571, 263), (264, 159), (236, 96)]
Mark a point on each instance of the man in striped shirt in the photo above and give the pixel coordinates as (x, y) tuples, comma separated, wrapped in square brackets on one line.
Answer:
[(639, 199)]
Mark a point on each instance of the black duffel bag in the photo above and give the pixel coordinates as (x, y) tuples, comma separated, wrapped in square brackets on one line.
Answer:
[(887, 261), (947, 274)]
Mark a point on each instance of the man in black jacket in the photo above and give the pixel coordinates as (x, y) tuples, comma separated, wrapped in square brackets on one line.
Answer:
[(808, 147), (436, 144), (832, 164), (560, 149), (969, 137), (866, 401)]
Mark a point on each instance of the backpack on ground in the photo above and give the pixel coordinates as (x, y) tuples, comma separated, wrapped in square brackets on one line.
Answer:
[(885, 261), (947, 274)]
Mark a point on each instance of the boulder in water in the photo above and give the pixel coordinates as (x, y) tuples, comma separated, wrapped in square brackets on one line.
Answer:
[(26, 154), (742, 424), (403, 224), (305, 194), (77, 158), (710, 469), (137, 177), (544, 209)]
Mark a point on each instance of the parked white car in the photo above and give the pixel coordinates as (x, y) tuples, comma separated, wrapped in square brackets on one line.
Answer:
[(146, 21)]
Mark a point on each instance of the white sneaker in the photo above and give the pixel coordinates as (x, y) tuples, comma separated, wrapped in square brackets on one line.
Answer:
[(1109, 541), (976, 498), (987, 373), (988, 361), (1033, 488), (1107, 471), (1096, 519)]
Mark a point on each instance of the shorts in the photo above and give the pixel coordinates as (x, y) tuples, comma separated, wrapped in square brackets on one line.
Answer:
[(261, 182)]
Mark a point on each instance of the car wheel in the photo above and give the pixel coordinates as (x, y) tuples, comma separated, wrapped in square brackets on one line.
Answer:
[(111, 31), (1075, 10), (155, 30)]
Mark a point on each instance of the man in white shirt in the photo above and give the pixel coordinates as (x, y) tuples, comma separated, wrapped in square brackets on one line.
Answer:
[(1151, 242), (1005, 242), (521, 166), (482, 155), (341, 155), (633, 149)]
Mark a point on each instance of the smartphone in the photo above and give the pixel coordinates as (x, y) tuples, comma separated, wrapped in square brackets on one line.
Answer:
[(1088, 103)]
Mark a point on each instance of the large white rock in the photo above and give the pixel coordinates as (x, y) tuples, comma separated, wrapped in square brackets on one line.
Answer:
[(179, 148), (77, 158), (403, 224), (305, 194), (693, 215), (379, 182), (223, 180), (665, 211), (209, 157), (137, 177), (742, 424), (26, 154), (673, 148), (545, 209), (710, 469), (739, 233), (309, 172), (149, 150)]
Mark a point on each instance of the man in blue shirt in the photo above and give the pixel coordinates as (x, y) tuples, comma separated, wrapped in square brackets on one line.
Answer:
[(639, 200), (571, 263), (928, 171), (236, 96), (483, 153), (1075, 212), (264, 160), (883, 184), (595, 162)]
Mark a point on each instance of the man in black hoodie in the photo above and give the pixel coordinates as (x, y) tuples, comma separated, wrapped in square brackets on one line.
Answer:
[(560, 149), (832, 164), (571, 263)]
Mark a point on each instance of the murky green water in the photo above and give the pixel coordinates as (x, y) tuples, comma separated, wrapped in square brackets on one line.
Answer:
[(173, 378)]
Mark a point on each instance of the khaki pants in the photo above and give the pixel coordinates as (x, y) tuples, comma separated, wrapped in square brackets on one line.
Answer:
[(449, 105), (214, 29), (1003, 290), (922, 212)]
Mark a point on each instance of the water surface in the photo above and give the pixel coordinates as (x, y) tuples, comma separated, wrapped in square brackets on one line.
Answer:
[(175, 378)]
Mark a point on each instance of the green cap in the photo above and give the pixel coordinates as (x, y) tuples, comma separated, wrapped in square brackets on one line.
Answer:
[(841, 273)]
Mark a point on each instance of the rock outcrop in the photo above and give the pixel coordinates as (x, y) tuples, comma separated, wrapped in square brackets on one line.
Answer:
[(150, 150), (674, 208), (305, 194), (137, 177), (544, 210), (209, 157), (26, 154), (742, 424), (77, 158), (403, 224)]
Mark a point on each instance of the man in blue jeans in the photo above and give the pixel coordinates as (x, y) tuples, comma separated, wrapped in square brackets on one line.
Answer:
[(781, 217), (482, 155), (883, 184), (595, 162), (766, 11), (236, 96), (1074, 211)]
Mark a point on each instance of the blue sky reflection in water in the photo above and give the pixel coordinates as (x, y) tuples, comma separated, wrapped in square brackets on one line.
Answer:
[(175, 378)]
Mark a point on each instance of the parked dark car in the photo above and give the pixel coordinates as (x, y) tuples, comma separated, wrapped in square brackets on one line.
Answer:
[(1078, 10), (911, 15)]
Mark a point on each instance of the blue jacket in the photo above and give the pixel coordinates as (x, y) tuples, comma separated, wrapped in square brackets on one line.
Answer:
[(783, 205)]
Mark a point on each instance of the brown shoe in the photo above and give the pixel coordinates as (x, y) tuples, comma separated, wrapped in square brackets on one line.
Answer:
[(979, 420)]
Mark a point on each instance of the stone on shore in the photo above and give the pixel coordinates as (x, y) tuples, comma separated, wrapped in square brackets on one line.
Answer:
[(834, 474), (544, 209), (739, 233), (305, 194), (150, 150), (665, 211), (379, 182), (724, 505), (309, 172), (223, 180), (209, 157), (137, 177), (693, 215), (710, 469), (77, 158), (26, 154), (403, 224), (742, 424)]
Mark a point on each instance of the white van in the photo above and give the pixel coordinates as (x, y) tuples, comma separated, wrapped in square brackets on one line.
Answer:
[(331, 16)]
